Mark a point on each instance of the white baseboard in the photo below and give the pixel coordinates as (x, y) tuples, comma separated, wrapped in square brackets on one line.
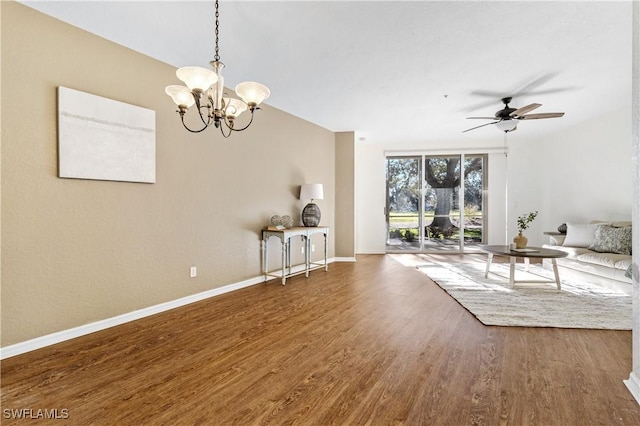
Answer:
[(344, 259), (72, 333), (633, 384)]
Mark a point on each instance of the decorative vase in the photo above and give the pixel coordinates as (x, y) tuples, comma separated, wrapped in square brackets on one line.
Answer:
[(520, 240), (311, 215)]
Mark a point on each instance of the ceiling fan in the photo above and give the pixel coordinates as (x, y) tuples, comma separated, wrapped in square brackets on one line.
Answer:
[(507, 118)]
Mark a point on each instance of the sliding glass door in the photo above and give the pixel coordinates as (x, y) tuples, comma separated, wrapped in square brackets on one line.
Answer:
[(436, 202), (404, 191)]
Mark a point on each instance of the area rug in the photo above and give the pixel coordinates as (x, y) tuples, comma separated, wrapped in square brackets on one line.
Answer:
[(494, 302)]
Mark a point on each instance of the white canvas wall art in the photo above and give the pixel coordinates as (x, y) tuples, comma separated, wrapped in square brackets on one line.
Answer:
[(104, 139)]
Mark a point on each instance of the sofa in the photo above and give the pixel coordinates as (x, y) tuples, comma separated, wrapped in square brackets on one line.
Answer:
[(598, 252)]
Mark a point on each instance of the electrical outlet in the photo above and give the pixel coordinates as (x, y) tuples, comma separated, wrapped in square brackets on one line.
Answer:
[(193, 272), (302, 249), (313, 247)]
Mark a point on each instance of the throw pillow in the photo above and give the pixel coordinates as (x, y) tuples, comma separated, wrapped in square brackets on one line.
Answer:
[(610, 239), (580, 235)]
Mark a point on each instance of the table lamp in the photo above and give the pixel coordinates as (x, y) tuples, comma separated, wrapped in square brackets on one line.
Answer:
[(311, 212)]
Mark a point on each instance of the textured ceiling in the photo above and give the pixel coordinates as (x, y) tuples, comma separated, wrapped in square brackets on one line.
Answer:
[(392, 71)]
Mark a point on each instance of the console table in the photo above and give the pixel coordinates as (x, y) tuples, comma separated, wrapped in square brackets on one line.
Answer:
[(285, 235)]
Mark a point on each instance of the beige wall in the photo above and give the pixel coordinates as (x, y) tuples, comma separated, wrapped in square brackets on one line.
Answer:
[(345, 195), (78, 251)]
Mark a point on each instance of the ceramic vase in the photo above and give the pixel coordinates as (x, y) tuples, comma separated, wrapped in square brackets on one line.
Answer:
[(311, 215), (520, 240)]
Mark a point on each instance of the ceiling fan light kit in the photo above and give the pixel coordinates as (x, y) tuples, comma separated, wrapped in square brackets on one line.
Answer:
[(205, 89), (508, 125), (506, 119)]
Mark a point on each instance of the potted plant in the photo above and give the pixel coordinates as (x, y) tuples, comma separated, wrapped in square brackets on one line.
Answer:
[(523, 223)]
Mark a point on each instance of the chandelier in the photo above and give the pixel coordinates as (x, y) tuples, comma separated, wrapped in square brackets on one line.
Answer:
[(205, 89)]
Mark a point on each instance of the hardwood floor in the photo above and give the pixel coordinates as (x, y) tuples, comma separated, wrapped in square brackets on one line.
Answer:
[(371, 342)]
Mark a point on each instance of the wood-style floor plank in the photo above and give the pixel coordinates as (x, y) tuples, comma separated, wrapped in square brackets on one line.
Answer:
[(372, 342)]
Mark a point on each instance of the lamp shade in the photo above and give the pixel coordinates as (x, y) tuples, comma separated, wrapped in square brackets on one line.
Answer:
[(507, 125), (311, 191), (252, 93), (234, 107), (180, 95), (197, 78)]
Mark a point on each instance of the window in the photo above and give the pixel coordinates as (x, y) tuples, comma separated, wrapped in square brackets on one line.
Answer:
[(436, 202)]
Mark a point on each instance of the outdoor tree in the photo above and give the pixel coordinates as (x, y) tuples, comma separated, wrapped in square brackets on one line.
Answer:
[(443, 176), (403, 179)]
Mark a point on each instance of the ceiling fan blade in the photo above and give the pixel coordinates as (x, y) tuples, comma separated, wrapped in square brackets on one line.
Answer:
[(525, 109), (481, 118), (550, 91), (535, 83), (477, 127), (541, 115)]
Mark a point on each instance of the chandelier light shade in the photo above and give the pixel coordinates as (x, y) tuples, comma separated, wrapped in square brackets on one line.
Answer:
[(252, 93), (311, 212), (197, 79), (507, 125), (235, 107), (181, 96), (205, 89)]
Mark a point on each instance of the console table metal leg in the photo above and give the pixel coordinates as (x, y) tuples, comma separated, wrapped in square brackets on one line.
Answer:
[(289, 255), (555, 272), (265, 267), (284, 261), (307, 256), (326, 266)]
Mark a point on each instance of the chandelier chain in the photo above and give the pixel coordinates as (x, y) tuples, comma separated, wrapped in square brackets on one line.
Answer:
[(217, 55)]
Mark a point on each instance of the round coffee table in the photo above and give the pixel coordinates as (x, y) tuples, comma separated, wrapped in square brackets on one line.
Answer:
[(526, 254)]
